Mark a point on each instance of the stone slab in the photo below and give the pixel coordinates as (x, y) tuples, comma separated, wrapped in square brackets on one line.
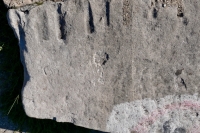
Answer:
[(21, 3), (89, 61)]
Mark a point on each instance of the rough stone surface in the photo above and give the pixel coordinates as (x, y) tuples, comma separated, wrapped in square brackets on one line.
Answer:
[(170, 114), (106, 64), (21, 3), (7, 131)]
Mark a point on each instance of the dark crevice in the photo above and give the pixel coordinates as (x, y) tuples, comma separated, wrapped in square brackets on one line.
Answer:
[(59, 9), (25, 11), (108, 12), (22, 44), (155, 13), (62, 22), (152, 3), (91, 21), (107, 56), (104, 62), (180, 14), (183, 82), (106, 59)]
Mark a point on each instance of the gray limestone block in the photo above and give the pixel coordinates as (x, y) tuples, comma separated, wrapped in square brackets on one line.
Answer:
[(104, 64), (18, 3), (21, 3)]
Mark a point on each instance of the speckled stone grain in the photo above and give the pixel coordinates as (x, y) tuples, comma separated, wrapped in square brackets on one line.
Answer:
[(87, 61)]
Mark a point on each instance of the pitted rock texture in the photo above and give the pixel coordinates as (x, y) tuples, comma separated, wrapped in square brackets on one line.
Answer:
[(21, 3), (83, 58), (170, 114)]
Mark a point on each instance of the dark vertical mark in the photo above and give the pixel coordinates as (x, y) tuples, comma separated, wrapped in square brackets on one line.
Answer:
[(91, 22), (108, 12), (45, 27), (166, 127), (59, 8), (107, 56), (22, 41), (62, 22), (155, 13), (22, 45), (179, 130), (152, 4), (183, 82), (187, 40), (105, 59)]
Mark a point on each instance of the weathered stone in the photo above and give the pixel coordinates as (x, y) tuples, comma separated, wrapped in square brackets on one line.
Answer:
[(170, 114), (93, 63), (21, 3)]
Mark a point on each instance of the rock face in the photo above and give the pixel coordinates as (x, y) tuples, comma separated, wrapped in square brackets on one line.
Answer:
[(106, 64), (20, 3)]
